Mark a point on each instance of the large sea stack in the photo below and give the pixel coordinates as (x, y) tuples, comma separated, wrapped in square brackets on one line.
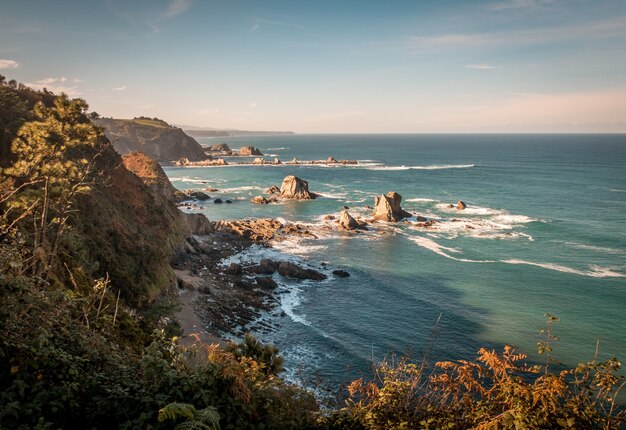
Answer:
[(295, 188), (387, 208)]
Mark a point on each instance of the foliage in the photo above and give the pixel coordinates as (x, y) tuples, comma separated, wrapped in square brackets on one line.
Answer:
[(192, 419), (266, 356), (497, 390)]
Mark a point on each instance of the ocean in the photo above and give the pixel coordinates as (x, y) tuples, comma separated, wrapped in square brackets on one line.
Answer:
[(544, 232)]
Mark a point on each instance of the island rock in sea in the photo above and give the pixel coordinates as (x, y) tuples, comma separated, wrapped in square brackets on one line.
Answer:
[(249, 150), (347, 222), (461, 205), (295, 188), (387, 208)]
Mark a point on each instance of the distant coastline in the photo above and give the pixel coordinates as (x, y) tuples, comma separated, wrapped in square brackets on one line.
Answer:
[(232, 133)]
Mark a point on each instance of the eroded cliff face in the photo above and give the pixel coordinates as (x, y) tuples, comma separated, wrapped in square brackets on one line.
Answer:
[(157, 139)]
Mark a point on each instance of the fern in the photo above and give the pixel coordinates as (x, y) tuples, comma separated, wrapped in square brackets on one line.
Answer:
[(174, 411), (203, 419)]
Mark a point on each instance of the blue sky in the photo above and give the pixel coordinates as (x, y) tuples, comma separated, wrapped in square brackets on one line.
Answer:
[(331, 66)]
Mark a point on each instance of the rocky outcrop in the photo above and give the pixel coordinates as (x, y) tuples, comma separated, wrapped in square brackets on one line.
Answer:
[(387, 208), (220, 147), (197, 195), (199, 224), (266, 267), (210, 161), (249, 150), (260, 200), (153, 137), (272, 190), (296, 188), (347, 222), (461, 205), (292, 270), (151, 174)]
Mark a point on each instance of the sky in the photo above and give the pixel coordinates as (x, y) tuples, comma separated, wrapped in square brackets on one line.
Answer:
[(330, 66)]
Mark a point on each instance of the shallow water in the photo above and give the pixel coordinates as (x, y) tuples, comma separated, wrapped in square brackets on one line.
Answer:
[(543, 232)]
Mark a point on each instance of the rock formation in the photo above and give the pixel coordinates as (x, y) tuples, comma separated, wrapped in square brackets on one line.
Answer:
[(249, 150), (272, 190), (347, 222), (295, 188), (461, 205), (153, 137), (292, 270), (221, 147), (197, 195), (199, 224), (387, 208), (151, 173)]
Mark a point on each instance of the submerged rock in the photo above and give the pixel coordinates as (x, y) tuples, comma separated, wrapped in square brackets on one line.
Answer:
[(218, 201), (347, 222), (292, 270), (341, 273), (295, 188), (387, 208)]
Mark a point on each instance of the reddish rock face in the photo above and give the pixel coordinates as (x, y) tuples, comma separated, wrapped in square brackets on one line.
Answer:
[(387, 208)]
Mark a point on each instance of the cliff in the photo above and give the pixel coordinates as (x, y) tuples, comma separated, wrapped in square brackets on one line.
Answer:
[(155, 138)]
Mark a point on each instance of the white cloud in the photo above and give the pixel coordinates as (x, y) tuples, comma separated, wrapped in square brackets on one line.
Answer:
[(8, 64), (254, 28), (517, 4), (176, 7), (612, 28), (76, 80), (252, 105), (480, 66), (56, 85), (122, 88)]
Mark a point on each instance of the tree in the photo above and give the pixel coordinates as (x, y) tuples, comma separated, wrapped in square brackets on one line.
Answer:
[(54, 161)]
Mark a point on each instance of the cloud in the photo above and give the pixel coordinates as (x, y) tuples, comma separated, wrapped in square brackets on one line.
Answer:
[(56, 85), (176, 7), (611, 28), (8, 64), (252, 105), (122, 88), (517, 4), (480, 66), (254, 28)]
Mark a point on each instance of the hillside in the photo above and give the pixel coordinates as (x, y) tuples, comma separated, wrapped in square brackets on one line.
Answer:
[(155, 138)]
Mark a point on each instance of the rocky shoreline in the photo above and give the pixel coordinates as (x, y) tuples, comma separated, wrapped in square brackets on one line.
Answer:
[(229, 297)]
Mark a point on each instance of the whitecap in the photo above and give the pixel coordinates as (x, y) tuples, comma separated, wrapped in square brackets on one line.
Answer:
[(282, 148), (420, 200), (430, 167), (601, 249), (595, 272)]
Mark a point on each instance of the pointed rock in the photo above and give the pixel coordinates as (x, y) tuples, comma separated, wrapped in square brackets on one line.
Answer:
[(387, 208), (347, 222)]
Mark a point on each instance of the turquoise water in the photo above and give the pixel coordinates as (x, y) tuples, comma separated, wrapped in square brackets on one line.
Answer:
[(545, 231)]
